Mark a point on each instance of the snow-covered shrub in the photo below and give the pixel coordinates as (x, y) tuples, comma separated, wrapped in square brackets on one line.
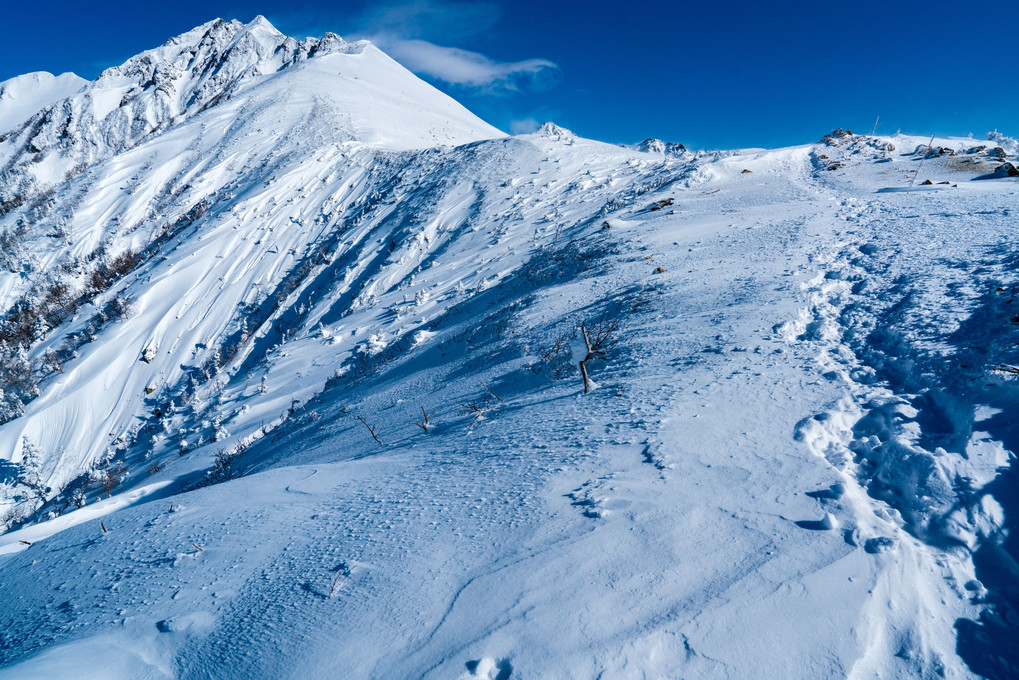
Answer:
[(12, 247), (119, 307), (557, 356), (110, 477), (1009, 144), (108, 273), (18, 381), (11, 517)]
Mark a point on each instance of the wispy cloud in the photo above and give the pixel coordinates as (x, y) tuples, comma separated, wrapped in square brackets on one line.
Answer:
[(470, 69), (417, 33), (523, 126), (429, 19)]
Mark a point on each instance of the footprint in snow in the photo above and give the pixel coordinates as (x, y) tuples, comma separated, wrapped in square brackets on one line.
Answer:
[(833, 492), (488, 669)]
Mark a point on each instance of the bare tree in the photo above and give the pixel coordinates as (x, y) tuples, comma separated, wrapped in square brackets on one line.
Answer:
[(474, 408), (558, 355), (373, 431), (111, 477), (426, 420), (598, 339)]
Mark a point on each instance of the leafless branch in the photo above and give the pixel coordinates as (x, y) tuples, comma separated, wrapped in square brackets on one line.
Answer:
[(371, 430), (598, 339), (1005, 368), (472, 408), (426, 420)]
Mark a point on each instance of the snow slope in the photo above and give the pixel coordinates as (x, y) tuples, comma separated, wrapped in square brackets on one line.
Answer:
[(23, 96), (369, 97), (346, 396)]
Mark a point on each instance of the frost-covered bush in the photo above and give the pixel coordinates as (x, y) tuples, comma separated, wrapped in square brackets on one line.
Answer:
[(17, 381), (1009, 144), (110, 477)]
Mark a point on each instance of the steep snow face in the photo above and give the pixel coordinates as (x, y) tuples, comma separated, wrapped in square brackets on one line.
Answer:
[(253, 241), (371, 98), (24, 96)]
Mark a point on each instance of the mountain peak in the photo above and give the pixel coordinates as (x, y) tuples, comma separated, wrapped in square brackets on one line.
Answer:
[(261, 21), (369, 99), (553, 131)]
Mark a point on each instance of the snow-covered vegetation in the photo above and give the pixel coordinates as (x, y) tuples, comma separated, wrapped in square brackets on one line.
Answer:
[(306, 371)]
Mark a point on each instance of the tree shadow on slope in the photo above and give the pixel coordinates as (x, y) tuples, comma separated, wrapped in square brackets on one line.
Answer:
[(478, 353)]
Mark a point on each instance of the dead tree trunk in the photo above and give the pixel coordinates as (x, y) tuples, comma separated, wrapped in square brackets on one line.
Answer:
[(583, 372), (593, 352), (603, 337), (371, 430)]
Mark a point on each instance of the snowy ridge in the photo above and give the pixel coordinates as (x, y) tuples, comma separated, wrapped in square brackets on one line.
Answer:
[(306, 344), (23, 96), (160, 88)]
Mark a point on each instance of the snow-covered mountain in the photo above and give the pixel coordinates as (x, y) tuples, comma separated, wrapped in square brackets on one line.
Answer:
[(289, 365), (24, 96)]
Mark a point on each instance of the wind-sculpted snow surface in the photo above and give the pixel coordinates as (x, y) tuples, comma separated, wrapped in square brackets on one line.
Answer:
[(299, 392)]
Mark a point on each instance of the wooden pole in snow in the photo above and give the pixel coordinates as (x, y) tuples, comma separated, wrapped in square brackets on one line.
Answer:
[(930, 145)]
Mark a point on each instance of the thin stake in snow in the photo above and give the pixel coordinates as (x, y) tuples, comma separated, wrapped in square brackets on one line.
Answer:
[(930, 145), (875, 126), (336, 581)]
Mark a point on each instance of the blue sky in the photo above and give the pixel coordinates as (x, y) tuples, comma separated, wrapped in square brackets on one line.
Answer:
[(711, 75)]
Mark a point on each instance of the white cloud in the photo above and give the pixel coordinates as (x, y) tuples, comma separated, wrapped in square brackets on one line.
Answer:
[(524, 126), (407, 29), (428, 19), (470, 69)]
